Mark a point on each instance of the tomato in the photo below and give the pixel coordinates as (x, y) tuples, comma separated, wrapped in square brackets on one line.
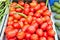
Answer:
[(10, 18), (15, 21), (28, 35), (50, 38), (26, 5), (32, 10), (39, 32), (12, 9), (25, 27), (13, 4), (39, 21), (16, 25), (34, 37), (20, 35), (13, 38), (51, 32), (17, 16), (12, 33), (21, 3), (18, 10), (31, 29), (45, 34), (42, 38), (10, 23), (46, 13), (8, 28), (49, 27), (43, 26), (12, 13), (33, 4), (37, 7), (29, 19), (21, 24), (42, 4), (30, 13)]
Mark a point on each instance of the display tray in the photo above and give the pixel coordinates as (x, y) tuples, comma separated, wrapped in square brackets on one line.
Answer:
[(56, 37)]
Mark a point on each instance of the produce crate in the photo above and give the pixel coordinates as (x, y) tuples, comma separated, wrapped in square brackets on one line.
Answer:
[(4, 38)]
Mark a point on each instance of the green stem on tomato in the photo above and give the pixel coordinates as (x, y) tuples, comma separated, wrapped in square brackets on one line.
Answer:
[(47, 2), (21, 14)]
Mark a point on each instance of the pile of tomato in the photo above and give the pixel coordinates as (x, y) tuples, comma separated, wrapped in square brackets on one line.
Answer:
[(29, 22)]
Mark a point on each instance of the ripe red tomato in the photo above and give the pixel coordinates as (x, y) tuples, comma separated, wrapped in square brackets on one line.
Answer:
[(15, 21), (21, 3), (22, 19), (10, 18), (20, 35), (26, 5), (32, 10), (42, 4), (43, 26), (12, 33), (39, 32), (45, 34), (37, 7), (39, 21), (16, 25), (18, 10), (34, 37), (25, 27), (28, 35), (31, 14), (42, 38), (51, 32), (50, 38), (17, 16), (10, 23), (12, 13), (13, 38), (31, 29)]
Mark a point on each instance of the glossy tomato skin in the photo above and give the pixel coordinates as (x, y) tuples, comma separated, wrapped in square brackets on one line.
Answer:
[(12, 33), (45, 34), (16, 25), (42, 4), (13, 38), (51, 32), (26, 5), (34, 37), (42, 38), (18, 10), (32, 10), (43, 26), (12, 9), (20, 35), (50, 38), (31, 29), (39, 32), (21, 3)]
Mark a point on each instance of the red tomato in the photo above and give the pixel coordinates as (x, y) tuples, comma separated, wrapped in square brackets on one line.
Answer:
[(34, 37), (30, 13), (15, 21), (39, 21), (39, 32), (10, 23), (20, 35), (50, 38), (8, 28), (42, 4), (43, 26), (22, 19), (12, 13), (17, 16), (12, 9), (32, 10), (31, 29), (29, 19), (42, 38), (25, 27), (16, 25), (12, 33), (37, 7), (28, 36), (21, 3), (13, 38), (33, 4), (18, 10), (46, 13), (51, 32), (26, 5), (10, 18), (45, 34), (21, 24), (13, 4), (49, 27)]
